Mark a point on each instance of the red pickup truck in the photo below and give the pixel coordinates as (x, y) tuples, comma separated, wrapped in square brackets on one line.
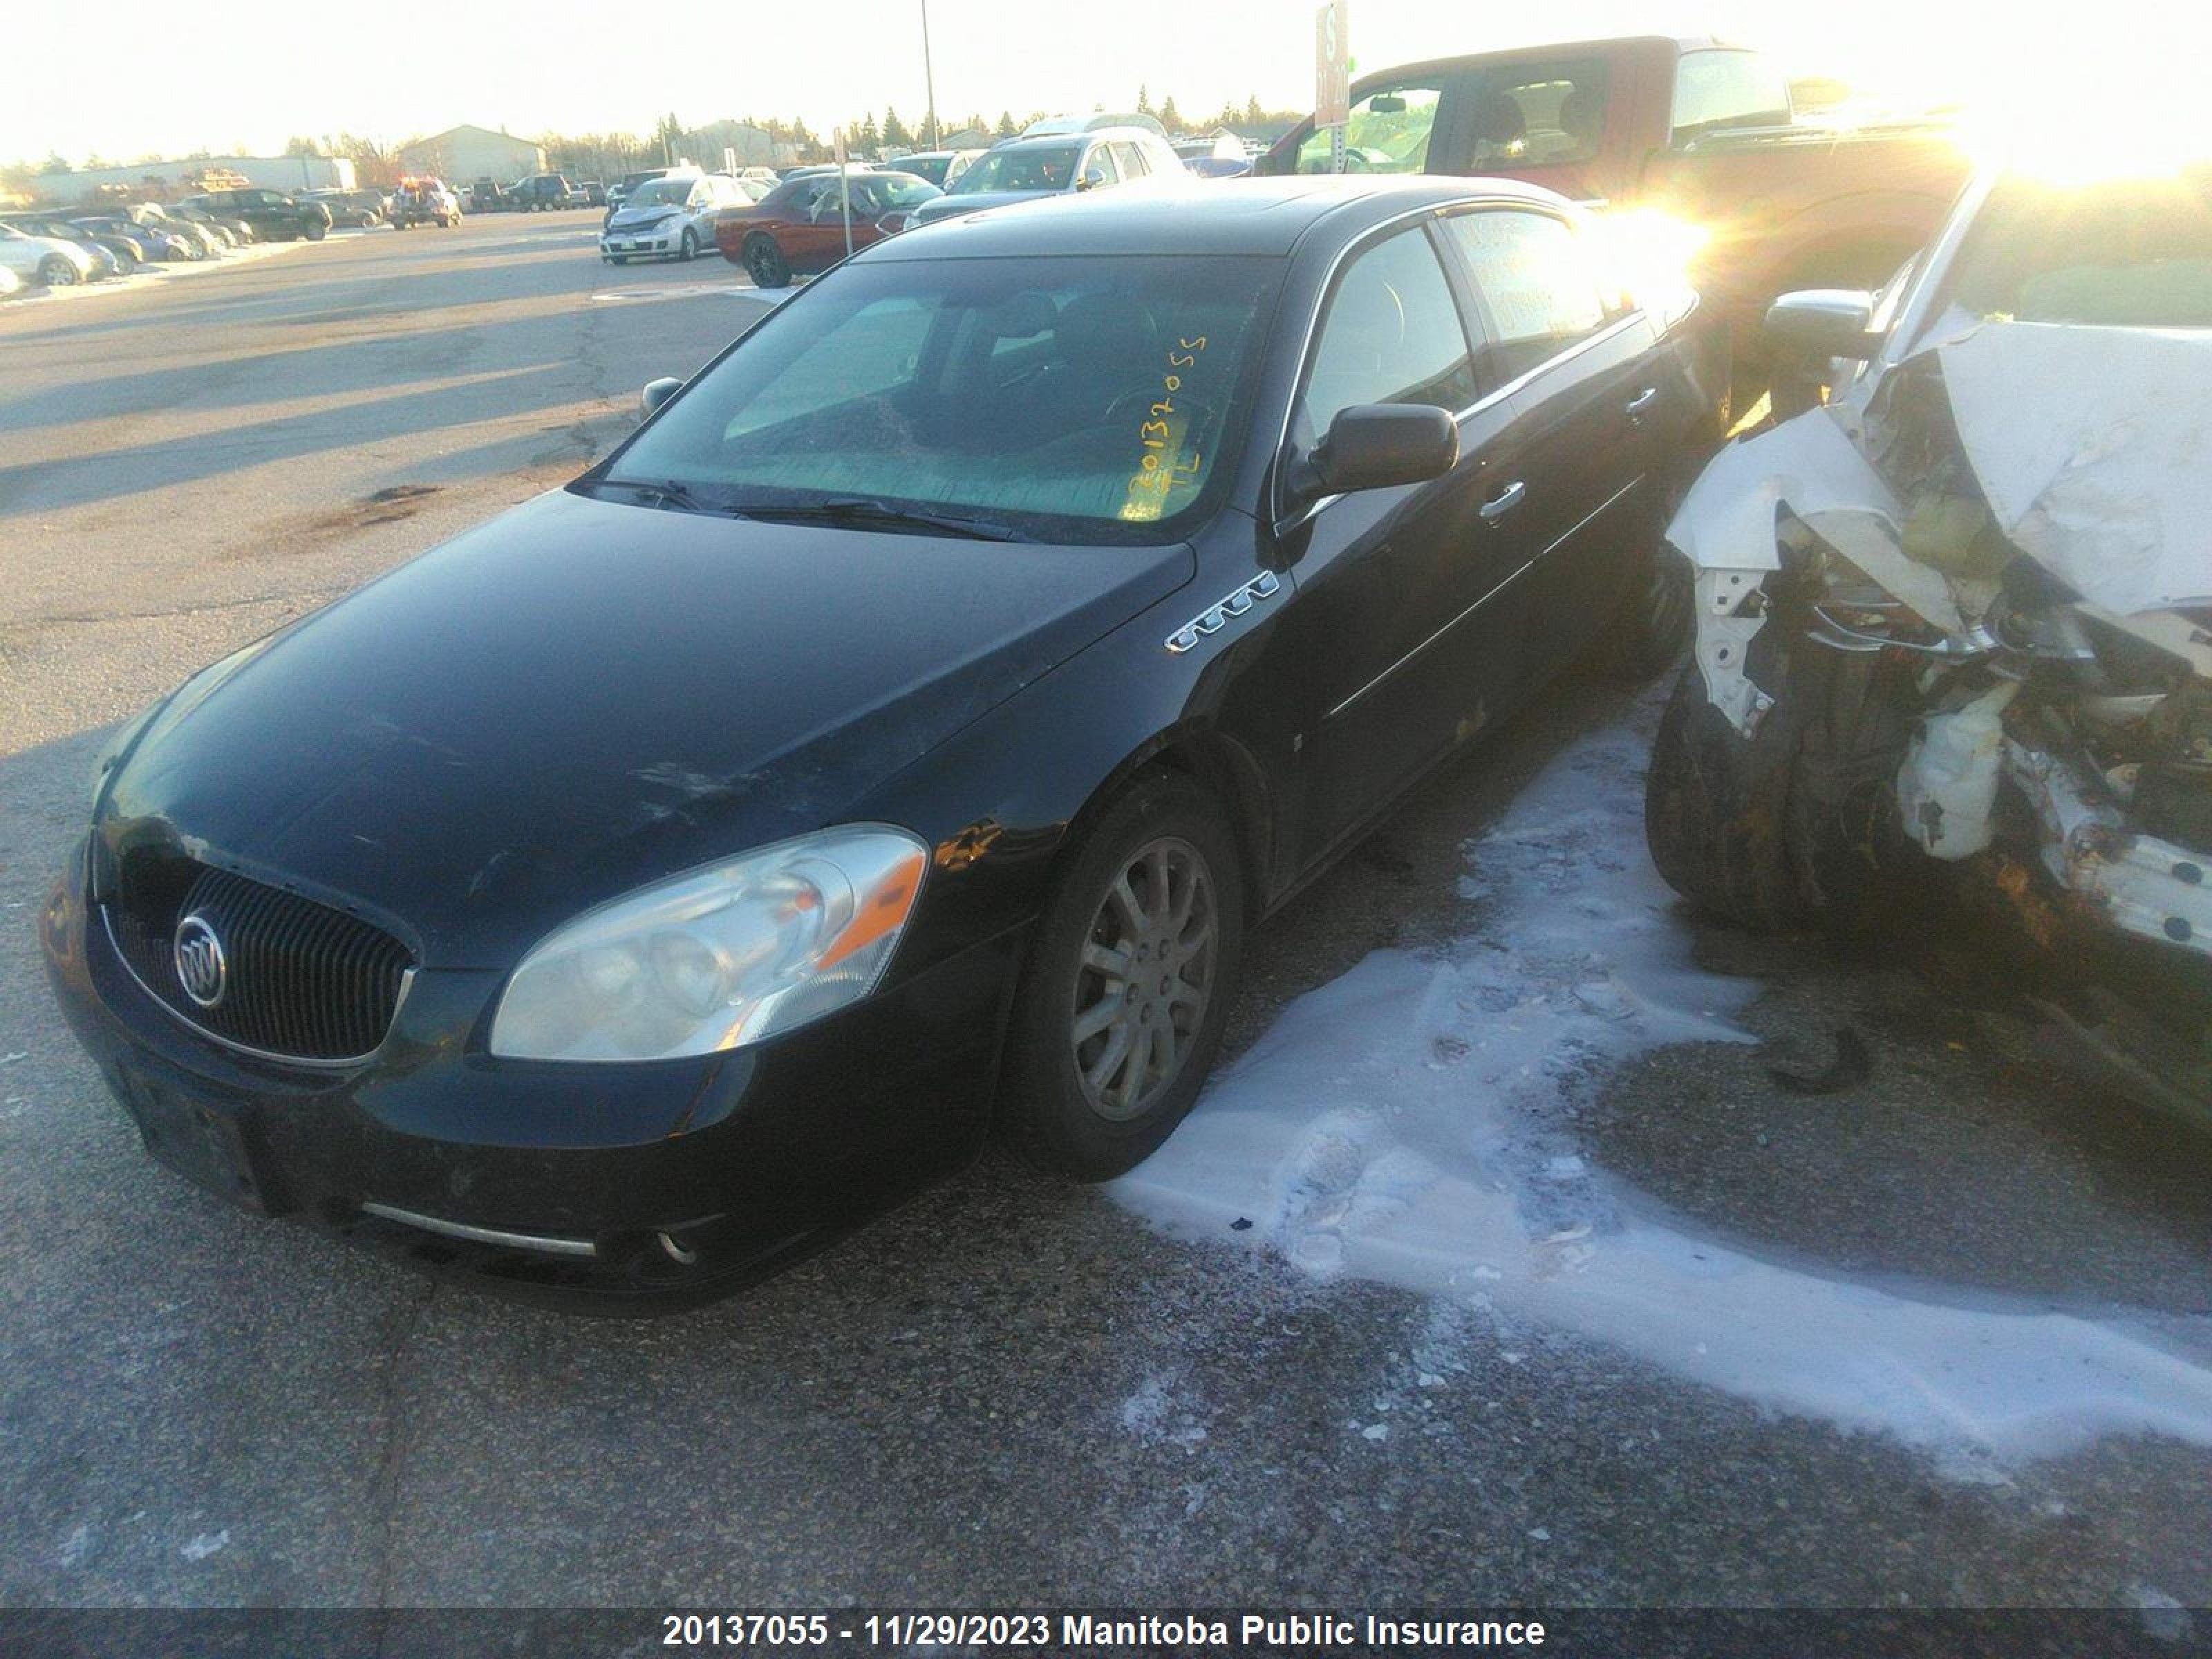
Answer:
[(1702, 131)]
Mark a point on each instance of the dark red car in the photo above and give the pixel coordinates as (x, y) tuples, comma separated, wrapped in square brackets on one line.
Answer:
[(798, 227)]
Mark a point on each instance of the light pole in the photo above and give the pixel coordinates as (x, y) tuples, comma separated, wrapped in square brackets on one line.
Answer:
[(928, 75)]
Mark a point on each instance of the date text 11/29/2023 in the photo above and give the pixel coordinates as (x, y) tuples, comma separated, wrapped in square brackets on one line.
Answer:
[(1078, 1630)]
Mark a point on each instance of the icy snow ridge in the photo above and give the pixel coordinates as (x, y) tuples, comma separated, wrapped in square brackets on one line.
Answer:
[(1409, 1124)]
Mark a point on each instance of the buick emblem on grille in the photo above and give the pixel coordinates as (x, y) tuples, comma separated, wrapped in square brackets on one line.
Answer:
[(202, 968)]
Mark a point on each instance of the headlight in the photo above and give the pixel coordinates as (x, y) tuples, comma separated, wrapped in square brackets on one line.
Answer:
[(718, 959)]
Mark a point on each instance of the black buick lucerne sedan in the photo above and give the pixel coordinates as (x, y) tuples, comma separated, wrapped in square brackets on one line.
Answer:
[(890, 742)]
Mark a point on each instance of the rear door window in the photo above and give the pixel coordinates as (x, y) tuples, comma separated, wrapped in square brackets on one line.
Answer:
[(1129, 159), (1537, 281)]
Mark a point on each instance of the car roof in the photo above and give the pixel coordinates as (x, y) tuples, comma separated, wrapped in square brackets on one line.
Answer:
[(1264, 216)]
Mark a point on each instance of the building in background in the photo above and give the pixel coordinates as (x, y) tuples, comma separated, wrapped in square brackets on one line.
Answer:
[(466, 152), (202, 172)]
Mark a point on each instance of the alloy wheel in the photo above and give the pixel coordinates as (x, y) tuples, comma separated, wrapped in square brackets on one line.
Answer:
[(1147, 977)]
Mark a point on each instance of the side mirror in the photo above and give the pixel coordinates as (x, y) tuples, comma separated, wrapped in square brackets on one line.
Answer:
[(1375, 446), (656, 394), (1824, 322), (1091, 180)]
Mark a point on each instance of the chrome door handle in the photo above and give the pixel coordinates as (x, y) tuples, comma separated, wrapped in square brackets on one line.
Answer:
[(1504, 500), (1641, 401)]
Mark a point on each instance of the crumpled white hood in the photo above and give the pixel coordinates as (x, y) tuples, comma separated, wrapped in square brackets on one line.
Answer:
[(2094, 446)]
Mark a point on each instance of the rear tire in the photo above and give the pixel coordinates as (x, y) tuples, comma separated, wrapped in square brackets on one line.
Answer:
[(765, 264), (1127, 991)]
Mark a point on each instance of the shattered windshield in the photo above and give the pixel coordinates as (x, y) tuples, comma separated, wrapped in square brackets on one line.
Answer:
[(2137, 254)]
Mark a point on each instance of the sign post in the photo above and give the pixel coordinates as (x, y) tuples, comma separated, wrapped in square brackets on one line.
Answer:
[(1333, 77), (844, 187)]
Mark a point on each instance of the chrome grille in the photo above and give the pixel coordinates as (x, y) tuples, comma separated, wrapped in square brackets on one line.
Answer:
[(302, 980)]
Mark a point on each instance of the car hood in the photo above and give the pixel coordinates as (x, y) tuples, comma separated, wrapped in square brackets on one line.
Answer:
[(980, 200), (642, 218), (2093, 449), (580, 697), (2081, 449)]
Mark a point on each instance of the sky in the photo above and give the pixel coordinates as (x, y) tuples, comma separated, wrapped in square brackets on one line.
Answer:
[(229, 73)]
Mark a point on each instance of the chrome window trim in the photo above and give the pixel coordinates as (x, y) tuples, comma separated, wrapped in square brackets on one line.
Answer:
[(1434, 211), (406, 984), (1557, 542)]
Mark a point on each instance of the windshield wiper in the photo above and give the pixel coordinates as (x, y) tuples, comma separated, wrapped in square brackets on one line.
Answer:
[(861, 510), (663, 492)]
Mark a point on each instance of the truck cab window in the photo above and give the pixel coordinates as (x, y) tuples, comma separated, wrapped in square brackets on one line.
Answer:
[(1721, 88), (1539, 115), (1389, 132)]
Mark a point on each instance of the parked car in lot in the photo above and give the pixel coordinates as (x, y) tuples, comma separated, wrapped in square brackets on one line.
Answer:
[(424, 200), (1023, 169), (672, 218), (549, 191), (49, 261), (595, 193), (204, 240), (352, 209), (271, 215), (798, 227), (228, 232), (1693, 130), (937, 167), (486, 195), (1961, 617), (1089, 576), (121, 251), (10, 284), (620, 192), (1061, 126), (150, 241)]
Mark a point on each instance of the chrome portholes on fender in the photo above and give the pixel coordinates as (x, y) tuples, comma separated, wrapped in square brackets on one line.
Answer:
[(1218, 615)]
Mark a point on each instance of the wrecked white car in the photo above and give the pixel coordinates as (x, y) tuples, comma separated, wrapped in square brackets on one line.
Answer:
[(1962, 612)]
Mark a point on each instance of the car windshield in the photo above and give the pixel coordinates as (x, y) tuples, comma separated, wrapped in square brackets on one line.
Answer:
[(2133, 254), (1075, 400), (901, 190), (1045, 168), (661, 192)]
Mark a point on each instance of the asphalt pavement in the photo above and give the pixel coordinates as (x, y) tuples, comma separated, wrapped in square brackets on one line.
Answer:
[(1011, 1391)]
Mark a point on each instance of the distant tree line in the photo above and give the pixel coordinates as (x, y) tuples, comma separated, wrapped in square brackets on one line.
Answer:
[(610, 155)]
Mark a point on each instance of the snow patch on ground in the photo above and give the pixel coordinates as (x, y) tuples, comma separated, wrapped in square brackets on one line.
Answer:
[(1410, 1123)]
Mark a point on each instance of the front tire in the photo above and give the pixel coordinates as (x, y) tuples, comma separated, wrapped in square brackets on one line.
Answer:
[(689, 248), (1122, 1005), (56, 272), (317, 232), (765, 264), (1798, 821)]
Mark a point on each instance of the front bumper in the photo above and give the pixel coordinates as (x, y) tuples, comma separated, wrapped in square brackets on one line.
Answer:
[(562, 1178), (636, 246)]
